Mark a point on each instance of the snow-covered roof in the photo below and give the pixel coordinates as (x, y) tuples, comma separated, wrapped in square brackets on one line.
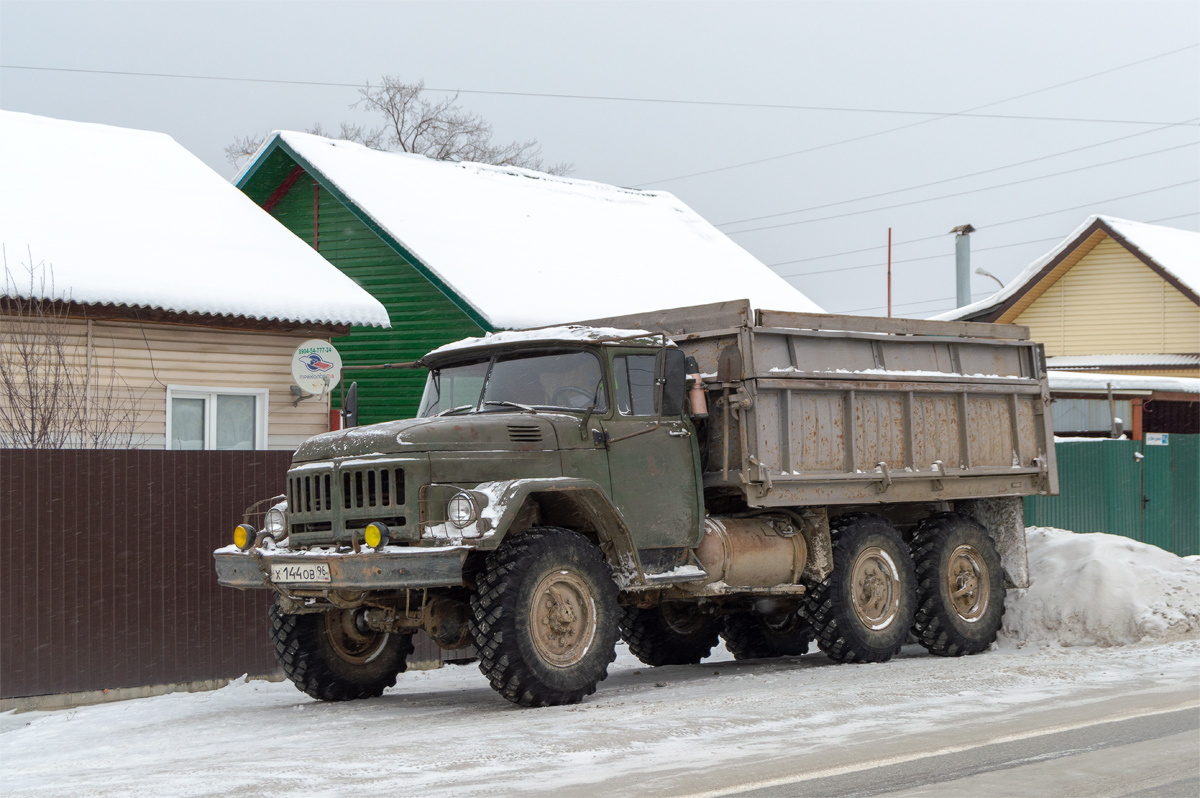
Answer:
[(570, 333), (130, 217), (1176, 252), (1098, 383), (1122, 361), (526, 249)]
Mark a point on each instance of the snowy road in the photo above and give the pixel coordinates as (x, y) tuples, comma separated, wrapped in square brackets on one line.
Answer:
[(776, 727)]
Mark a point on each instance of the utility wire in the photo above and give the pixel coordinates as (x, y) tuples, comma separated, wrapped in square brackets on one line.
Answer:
[(924, 257), (948, 179), (913, 124), (961, 193), (653, 100)]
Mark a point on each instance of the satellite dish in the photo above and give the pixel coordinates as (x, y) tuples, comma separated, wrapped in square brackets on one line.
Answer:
[(316, 367)]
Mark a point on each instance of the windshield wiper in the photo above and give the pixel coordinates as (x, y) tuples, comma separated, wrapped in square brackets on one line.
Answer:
[(453, 410), (527, 408)]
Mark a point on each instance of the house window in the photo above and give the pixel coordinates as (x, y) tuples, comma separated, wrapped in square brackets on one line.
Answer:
[(216, 418)]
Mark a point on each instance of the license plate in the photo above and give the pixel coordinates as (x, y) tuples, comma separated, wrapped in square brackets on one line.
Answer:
[(300, 572)]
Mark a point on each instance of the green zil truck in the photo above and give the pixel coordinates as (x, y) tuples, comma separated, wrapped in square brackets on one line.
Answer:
[(669, 478)]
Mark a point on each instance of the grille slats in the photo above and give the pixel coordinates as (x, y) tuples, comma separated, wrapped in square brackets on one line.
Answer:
[(362, 489), (524, 433)]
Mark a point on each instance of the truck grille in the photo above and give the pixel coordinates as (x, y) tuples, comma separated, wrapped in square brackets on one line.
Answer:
[(312, 494)]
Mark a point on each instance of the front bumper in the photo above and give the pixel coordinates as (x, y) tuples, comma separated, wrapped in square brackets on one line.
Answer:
[(395, 568)]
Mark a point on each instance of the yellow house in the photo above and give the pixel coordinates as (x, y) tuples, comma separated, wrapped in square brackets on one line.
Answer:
[(1115, 296)]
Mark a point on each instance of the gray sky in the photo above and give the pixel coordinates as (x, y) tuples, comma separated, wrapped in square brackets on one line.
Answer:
[(899, 56)]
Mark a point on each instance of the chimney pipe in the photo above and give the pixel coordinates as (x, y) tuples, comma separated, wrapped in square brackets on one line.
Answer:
[(962, 263)]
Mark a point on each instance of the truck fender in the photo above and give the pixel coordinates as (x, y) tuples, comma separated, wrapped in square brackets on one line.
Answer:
[(505, 500), (1004, 519)]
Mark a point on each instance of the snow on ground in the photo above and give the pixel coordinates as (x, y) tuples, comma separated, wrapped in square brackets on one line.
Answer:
[(647, 730), (1097, 589)]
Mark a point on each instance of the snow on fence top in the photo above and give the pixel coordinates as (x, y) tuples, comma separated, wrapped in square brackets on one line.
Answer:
[(527, 249), (1176, 251), (1092, 381), (130, 217)]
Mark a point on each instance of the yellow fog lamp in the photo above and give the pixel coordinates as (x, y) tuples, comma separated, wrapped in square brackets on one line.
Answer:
[(244, 536), (376, 535)]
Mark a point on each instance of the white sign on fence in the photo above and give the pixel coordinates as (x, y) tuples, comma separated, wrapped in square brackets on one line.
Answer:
[(316, 367), (1158, 439)]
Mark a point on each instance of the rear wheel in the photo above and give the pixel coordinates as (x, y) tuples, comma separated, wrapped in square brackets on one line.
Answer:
[(334, 656), (960, 586), (671, 633), (863, 610), (752, 635), (544, 618)]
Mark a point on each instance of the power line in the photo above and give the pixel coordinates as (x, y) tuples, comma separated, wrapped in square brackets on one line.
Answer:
[(616, 98), (923, 257), (914, 124), (961, 193), (947, 179), (910, 304)]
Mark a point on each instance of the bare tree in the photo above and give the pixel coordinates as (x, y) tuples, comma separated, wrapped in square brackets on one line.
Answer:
[(414, 123), (52, 396)]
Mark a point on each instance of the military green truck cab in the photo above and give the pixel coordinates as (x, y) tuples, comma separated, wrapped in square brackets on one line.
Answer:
[(670, 479)]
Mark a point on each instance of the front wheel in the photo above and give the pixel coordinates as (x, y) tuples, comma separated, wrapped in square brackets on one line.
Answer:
[(334, 656), (960, 586), (544, 618), (863, 610)]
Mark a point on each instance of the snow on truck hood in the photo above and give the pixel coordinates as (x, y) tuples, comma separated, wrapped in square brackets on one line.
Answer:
[(130, 217)]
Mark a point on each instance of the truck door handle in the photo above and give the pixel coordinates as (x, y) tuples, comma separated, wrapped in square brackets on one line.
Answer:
[(680, 433)]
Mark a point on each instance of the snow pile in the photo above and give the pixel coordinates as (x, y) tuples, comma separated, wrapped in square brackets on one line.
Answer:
[(1106, 590)]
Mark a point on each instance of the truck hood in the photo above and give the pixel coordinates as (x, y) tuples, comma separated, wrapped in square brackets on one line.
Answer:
[(518, 432)]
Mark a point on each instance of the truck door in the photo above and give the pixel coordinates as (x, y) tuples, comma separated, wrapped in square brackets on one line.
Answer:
[(655, 475)]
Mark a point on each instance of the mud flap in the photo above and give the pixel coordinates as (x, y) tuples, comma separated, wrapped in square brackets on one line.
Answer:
[(1004, 519)]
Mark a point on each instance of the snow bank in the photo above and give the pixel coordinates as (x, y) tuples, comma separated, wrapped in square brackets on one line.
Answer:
[(1102, 590)]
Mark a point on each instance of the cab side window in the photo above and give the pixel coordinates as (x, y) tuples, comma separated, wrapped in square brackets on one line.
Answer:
[(635, 384)]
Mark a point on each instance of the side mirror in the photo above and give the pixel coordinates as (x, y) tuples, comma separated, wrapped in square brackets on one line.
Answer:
[(675, 385), (350, 411)]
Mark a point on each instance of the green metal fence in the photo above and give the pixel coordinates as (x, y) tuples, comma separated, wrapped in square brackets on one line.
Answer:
[(1146, 490)]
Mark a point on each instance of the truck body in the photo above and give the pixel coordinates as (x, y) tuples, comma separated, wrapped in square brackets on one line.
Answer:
[(720, 462)]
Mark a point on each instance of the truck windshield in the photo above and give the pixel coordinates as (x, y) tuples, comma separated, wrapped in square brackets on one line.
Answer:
[(550, 381)]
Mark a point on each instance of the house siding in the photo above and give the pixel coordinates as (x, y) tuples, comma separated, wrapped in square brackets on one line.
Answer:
[(1110, 302), (423, 317), (149, 357)]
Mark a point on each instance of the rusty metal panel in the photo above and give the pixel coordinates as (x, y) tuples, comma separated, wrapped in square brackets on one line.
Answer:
[(935, 430), (879, 430), (989, 431)]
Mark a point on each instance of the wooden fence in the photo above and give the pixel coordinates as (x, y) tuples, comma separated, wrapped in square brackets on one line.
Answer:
[(106, 569)]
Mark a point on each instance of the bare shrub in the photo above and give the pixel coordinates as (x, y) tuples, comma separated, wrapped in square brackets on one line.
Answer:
[(52, 394)]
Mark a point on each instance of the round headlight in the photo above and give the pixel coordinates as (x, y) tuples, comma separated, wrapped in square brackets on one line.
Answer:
[(376, 535), (461, 510), (275, 522), (243, 537)]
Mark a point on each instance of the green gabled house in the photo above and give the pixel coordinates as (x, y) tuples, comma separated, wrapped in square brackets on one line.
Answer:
[(454, 250)]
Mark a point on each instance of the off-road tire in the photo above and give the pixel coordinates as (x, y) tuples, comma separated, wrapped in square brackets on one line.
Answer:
[(518, 661), (943, 625), (669, 635), (863, 539), (751, 635), (308, 656)]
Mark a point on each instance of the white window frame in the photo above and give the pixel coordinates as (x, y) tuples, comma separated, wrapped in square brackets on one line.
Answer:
[(209, 395)]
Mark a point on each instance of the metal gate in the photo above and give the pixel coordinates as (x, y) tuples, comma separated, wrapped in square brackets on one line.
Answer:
[(1146, 490)]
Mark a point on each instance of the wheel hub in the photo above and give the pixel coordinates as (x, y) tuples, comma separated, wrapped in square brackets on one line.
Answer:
[(875, 588), (563, 618), (351, 638), (968, 583)]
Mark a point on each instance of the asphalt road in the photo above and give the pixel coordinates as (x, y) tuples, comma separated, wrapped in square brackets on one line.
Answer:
[(1146, 755)]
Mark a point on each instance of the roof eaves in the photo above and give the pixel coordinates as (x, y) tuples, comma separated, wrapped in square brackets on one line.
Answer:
[(277, 141)]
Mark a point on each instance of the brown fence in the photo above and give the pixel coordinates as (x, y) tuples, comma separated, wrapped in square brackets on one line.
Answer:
[(106, 570)]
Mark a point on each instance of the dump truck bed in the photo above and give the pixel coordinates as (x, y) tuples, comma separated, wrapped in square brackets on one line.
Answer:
[(813, 409)]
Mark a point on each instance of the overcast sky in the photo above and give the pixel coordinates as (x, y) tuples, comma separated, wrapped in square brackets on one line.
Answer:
[(895, 56)]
